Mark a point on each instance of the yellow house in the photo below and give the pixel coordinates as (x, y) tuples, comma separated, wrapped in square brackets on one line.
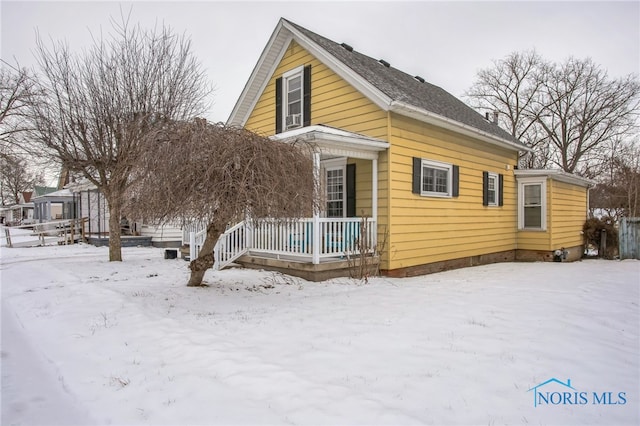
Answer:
[(436, 181)]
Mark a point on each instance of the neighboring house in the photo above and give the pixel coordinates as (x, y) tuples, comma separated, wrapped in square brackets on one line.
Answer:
[(56, 205), (23, 212), (90, 203), (436, 180)]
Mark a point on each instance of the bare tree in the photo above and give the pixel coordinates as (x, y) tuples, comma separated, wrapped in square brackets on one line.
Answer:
[(15, 178), (16, 95), (582, 109), (565, 112), (511, 88), (617, 192), (100, 104), (218, 175)]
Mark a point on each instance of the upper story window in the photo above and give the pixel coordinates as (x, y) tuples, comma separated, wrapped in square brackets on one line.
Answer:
[(293, 99), (434, 178)]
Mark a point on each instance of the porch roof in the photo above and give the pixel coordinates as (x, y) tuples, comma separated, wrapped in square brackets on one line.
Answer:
[(558, 175), (336, 141), (57, 196)]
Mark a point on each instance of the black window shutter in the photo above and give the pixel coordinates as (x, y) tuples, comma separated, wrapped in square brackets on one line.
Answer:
[(455, 184), (279, 105), (417, 175), (500, 190), (351, 190), (306, 96), (485, 188)]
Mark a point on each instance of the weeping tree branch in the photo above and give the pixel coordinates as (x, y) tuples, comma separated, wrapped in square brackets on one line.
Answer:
[(219, 175)]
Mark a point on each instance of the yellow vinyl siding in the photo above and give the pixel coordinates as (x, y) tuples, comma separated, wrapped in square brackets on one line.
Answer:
[(538, 240), (569, 212), (333, 101), (534, 240), (431, 229), (566, 213), (363, 186)]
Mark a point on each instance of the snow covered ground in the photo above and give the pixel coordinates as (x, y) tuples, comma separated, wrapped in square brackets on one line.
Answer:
[(85, 341)]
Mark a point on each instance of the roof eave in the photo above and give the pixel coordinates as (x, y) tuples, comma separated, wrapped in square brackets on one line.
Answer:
[(262, 72), (558, 175), (423, 115), (337, 66), (271, 56), (360, 146)]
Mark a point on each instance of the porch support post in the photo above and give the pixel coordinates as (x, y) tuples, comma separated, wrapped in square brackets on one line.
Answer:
[(374, 200), (315, 249), (248, 233)]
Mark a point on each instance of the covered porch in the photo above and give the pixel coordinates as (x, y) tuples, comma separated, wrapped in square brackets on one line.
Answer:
[(338, 234), (54, 206)]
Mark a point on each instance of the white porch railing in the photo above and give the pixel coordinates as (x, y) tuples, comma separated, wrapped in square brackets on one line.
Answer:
[(309, 239), (230, 246), (196, 240), (188, 228), (336, 237)]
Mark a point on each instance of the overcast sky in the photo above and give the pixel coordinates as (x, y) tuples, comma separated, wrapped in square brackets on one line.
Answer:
[(445, 42)]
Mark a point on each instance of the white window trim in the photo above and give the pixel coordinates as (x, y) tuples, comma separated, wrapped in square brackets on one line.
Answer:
[(437, 165), (298, 71), (335, 164), (543, 202), (496, 188)]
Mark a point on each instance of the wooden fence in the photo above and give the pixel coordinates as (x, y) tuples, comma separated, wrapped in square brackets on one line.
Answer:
[(67, 231), (629, 238)]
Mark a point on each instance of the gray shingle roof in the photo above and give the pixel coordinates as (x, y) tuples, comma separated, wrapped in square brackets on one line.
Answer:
[(402, 87)]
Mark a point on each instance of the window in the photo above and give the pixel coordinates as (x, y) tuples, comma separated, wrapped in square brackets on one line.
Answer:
[(293, 99), (492, 188), (434, 179), (532, 205), (335, 192)]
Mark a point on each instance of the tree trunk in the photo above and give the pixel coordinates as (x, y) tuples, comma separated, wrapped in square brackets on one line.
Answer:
[(115, 208), (204, 260)]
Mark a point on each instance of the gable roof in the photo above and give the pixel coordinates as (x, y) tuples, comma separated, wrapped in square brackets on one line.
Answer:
[(42, 190), (389, 88), (26, 196)]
